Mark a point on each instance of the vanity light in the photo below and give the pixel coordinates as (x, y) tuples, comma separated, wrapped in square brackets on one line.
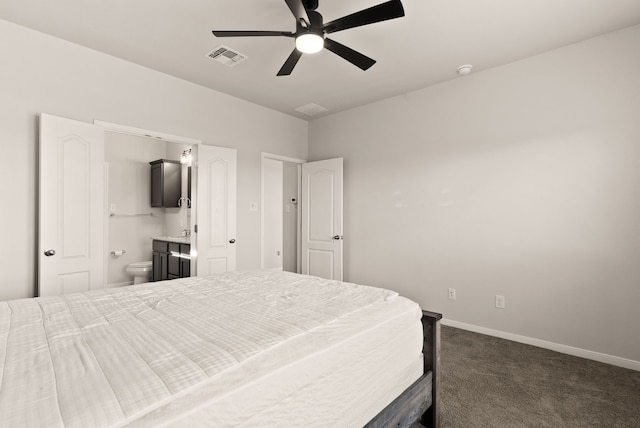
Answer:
[(309, 42), (185, 157)]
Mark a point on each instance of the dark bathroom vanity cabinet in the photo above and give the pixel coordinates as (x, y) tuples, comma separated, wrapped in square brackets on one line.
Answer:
[(171, 260), (166, 183)]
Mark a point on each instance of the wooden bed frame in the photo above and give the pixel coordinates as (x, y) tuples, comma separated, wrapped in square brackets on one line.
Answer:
[(419, 405)]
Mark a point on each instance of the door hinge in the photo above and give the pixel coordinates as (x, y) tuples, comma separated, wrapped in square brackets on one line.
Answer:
[(195, 228)]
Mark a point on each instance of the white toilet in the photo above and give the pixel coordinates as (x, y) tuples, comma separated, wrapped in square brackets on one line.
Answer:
[(140, 271)]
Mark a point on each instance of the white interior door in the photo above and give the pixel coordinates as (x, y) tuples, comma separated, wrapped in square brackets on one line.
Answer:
[(71, 206), (322, 241), (216, 210)]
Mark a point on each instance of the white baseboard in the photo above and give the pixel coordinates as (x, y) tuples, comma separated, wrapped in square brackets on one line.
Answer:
[(118, 284), (565, 349)]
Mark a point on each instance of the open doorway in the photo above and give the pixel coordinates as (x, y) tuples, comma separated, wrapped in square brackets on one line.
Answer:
[(280, 213), (132, 220)]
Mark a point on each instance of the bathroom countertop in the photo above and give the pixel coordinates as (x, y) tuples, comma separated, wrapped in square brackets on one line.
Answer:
[(177, 239)]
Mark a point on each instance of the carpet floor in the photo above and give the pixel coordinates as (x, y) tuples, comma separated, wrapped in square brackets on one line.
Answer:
[(492, 382)]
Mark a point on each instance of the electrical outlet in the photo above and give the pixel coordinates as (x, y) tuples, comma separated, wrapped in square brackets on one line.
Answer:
[(500, 301), (452, 294)]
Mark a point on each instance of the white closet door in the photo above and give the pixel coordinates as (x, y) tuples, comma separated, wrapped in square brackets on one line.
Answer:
[(322, 222), (71, 206)]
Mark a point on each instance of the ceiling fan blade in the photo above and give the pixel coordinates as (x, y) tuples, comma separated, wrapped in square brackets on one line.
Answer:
[(382, 12), (290, 63), (356, 58), (299, 11), (240, 33)]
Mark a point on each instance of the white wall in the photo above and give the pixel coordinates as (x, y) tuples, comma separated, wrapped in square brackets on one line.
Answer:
[(40, 73), (522, 180)]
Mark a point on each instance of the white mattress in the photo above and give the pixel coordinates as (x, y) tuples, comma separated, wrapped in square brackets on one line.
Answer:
[(240, 349)]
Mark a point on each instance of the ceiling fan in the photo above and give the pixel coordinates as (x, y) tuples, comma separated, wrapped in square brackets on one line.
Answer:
[(311, 31)]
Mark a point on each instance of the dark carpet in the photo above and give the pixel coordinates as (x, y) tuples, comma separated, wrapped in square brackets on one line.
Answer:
[(492, 382)]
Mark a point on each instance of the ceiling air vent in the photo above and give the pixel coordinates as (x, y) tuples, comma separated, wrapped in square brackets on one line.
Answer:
[(311, 109), (226, 56)]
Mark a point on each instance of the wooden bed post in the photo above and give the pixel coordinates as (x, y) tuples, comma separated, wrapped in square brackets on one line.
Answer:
[(409, 409), (431, 355)]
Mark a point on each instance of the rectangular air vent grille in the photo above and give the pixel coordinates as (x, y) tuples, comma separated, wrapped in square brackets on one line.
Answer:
[(311, 109), (226, 56)]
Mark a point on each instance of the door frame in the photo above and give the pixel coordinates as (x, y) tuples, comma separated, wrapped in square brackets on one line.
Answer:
[(145, 133), (299, 162)]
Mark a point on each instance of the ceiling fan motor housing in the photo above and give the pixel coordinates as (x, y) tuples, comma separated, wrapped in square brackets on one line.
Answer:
[(315, 25), (310, 4)]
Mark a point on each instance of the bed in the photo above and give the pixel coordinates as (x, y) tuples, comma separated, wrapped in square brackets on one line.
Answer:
[(246, 349)]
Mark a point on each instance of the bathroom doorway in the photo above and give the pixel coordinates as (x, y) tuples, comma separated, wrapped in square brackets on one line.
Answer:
[(131, 222)]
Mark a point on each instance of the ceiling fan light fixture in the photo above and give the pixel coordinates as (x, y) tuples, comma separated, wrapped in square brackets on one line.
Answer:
[(311, 31), (309, 43)]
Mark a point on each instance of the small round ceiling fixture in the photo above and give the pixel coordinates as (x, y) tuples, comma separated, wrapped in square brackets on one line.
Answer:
[(463, 70)]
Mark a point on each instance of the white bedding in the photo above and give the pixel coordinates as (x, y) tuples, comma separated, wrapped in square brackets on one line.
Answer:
[(240, 349)]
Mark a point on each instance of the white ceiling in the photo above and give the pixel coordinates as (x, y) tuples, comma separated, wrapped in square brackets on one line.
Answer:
[(421, 49)]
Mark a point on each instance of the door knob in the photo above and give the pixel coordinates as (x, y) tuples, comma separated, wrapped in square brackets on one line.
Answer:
[(50, 253), (337, 237), (232, 241)]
